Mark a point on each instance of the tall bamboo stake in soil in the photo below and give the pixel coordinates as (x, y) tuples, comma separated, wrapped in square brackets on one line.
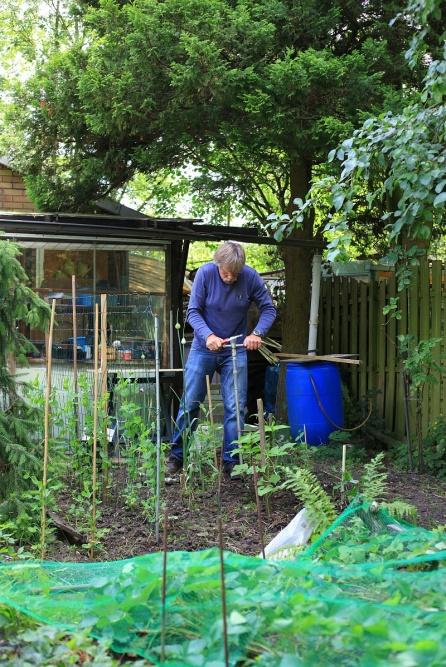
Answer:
[(49, 357), (75, 385), (95, 430), (211, 416), (259, 510), (158, 432), (223, 593), (163, 591), (343, 466), (262, 442), (105, 462)]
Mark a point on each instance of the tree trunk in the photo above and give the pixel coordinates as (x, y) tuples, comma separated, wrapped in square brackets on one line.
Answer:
[(296, 312)]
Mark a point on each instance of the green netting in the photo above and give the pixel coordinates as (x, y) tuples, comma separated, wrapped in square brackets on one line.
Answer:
[(371, 591)]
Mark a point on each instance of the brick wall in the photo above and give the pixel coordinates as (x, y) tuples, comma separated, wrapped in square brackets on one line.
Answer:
[(13, 195)]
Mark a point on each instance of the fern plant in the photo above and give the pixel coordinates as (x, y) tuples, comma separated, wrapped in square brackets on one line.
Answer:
[(373, 482), (373, 486), (307, 488), (400, 509)]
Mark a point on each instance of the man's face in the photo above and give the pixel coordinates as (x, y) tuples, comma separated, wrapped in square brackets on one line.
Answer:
[(227, 274)]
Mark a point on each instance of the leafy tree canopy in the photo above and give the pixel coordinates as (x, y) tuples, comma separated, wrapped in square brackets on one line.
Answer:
[(251, 93), (397, 160), (241, 89)]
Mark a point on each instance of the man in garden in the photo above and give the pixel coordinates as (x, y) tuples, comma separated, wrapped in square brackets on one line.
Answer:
[(221, 295)]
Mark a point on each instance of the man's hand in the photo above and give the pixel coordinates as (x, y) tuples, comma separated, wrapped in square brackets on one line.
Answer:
[(214, 343), (252, 342)]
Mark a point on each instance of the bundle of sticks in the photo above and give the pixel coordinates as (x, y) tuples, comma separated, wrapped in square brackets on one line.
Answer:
[(276, 356), (265, 350)]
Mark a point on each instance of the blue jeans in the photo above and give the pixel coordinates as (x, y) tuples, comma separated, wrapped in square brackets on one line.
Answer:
[(198, 365)]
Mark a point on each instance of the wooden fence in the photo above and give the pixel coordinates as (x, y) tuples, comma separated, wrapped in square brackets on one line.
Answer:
[(351, 320)]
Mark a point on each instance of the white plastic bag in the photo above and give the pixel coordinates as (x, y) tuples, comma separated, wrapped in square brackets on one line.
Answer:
[(296, 533)]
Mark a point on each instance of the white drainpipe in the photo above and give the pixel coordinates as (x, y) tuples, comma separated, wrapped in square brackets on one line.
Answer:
[(314, 308)]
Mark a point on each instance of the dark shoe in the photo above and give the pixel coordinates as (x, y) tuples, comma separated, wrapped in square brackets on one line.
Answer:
[(228, 469), (174, 465)]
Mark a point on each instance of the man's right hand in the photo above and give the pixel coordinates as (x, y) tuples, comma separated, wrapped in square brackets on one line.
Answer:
[(214, 343)]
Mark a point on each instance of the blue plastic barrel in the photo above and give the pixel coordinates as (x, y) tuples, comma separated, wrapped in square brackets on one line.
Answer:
[(304, 400)]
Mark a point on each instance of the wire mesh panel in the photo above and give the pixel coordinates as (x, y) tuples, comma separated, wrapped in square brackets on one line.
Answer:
[(128, 350)]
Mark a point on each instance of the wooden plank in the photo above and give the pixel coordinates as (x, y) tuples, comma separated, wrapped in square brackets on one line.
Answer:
[(303, 358), (362, 335), (425, 328), (436, 302), (354, 333), (381, 350), (413, 330), (400, 427), (345, 342), (443, 340), (391, 362), (371, 337), (336, 314), (328, 341)]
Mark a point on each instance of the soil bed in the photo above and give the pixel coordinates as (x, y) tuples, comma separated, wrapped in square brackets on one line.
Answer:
[(193, 521)]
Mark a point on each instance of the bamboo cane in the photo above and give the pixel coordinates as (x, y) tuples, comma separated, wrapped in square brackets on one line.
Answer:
[(344, 456), (75, 384), (105, 462), (223, 593), (259, 510), (211, 416), (158, 432), (49, 357), (262, 443), (163, 592), (95, 430)]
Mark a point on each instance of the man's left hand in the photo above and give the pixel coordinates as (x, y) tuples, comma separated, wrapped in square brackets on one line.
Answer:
[(252, 342)]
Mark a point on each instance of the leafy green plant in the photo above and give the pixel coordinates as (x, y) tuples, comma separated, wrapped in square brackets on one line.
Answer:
[(373, 486), (19, 448), (268, 462), (373, 482), (422, 369), (307, 488), (140, 452), (201, 468)]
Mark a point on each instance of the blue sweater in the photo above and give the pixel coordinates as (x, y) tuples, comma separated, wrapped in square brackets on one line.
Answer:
[(221, 309)]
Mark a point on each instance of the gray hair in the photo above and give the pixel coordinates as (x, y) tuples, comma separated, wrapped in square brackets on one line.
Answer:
[(231, 255)]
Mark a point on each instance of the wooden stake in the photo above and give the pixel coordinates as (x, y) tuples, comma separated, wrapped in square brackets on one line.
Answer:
[(211, 415), (259, 510), (95, 429), (344, 456), (158, 432), (261, 421), (163, 591), (75, 384), (105, 461), (49, 357), (223, 593)]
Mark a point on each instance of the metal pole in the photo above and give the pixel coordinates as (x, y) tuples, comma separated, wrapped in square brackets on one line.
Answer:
[(235, 375), (158, 431), (171, 362)]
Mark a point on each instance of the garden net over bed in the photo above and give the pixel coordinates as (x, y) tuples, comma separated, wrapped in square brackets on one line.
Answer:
[(371, 591)]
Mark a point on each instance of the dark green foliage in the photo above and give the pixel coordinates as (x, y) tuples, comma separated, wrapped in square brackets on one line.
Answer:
[(19, 447), (434, 451), (242, 90), (355, 597)]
